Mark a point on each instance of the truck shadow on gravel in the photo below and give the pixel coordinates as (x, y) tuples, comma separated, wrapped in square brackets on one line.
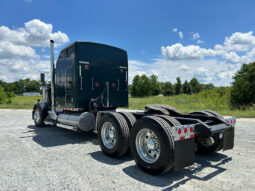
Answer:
[(101, 157), (205, 168), (50, 136)]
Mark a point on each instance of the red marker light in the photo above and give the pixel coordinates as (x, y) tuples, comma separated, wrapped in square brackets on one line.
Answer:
[(185, 130), (179, 131), (191, 129), (113, 85), (97, 84), (86, 67), (121, 70)]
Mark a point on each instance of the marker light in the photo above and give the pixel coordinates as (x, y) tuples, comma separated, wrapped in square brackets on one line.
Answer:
[(185, 130)]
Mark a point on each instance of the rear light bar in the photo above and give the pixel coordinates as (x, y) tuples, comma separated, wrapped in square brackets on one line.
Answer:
[(231, 121), (183, 132)]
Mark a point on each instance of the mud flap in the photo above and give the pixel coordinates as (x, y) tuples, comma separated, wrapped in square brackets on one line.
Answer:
[(228, 139), (184, 153)]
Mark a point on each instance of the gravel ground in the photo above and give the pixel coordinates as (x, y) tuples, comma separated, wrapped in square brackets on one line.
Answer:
[(53, 158)]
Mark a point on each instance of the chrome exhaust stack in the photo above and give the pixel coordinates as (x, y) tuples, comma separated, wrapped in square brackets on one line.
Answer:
[(52, 74)]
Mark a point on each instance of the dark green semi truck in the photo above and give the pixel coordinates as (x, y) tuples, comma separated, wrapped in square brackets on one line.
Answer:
[(88, 84)]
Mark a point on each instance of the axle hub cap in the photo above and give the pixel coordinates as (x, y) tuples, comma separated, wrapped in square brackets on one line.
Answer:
[(108, 135), (147, 145)]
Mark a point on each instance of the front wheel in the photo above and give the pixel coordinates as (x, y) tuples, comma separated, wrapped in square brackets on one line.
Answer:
[(38, 117), (152, 145)]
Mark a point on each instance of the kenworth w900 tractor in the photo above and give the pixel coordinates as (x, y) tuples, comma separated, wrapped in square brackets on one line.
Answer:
[(89, 82)]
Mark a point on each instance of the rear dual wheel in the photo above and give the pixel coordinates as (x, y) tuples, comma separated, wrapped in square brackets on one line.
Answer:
[(151, 141), (113, 133), (152, 145)]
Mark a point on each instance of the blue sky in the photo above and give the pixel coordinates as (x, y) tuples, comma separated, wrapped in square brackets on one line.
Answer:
[(204, 39)]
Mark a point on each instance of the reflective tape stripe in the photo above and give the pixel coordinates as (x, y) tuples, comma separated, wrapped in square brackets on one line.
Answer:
[(180, 133)]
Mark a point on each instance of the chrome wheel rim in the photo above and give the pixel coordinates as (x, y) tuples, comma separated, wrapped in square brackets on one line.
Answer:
[(108, 135), (147, 145), (37, 116)]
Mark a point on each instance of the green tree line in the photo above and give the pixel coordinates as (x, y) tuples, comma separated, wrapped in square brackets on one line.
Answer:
[(144, 86), (8, 90), (242, 90)]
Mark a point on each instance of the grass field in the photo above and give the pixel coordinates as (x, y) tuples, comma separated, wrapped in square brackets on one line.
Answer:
[(21, 102), (184, 103), (189, 103)]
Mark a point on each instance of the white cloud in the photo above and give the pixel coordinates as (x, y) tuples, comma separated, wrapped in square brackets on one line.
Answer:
[(39, 33), (231, 57), (215, 65), (228, 51), (4, 78), (184, 67), (9, 50), (195, 36), (175, 30), (199, 41), (202, 74), (180, 52), (240, 41), (14, 69), (18, 57), (205, 70), (35, 33), (180, 35), (135, 68)]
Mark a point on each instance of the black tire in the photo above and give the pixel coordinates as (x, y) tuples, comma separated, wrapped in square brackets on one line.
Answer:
[(218, 143), (39, 120), (122, 135), (130, 118), (215, 114), (202, 113), (162, 130), (170, 120)]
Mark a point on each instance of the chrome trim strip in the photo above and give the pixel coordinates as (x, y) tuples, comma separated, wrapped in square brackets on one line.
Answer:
[(83, 62)]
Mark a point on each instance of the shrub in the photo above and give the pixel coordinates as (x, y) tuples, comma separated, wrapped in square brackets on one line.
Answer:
[(2, 94), (178, 86), (142, 86), (186, 87), (195, 86), (243, 89), (156, 86), (134, 87), (168, 89)]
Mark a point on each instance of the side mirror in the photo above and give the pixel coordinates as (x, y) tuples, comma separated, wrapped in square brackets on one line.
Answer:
[(42, 78)]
